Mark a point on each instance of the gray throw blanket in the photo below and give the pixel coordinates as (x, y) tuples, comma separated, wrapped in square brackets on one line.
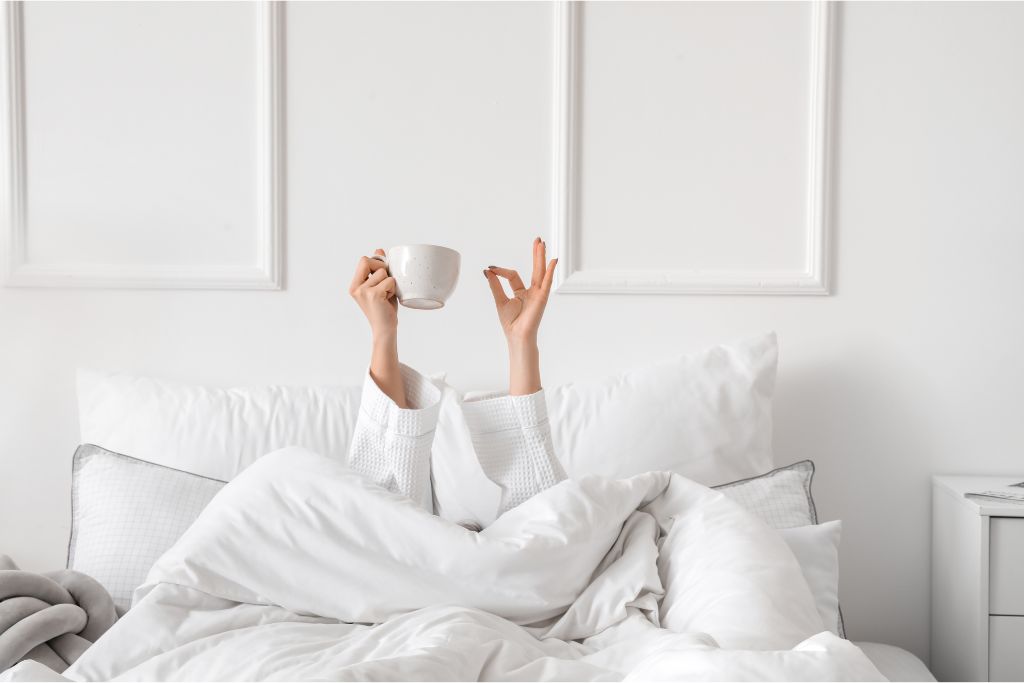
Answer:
[(52, 617)]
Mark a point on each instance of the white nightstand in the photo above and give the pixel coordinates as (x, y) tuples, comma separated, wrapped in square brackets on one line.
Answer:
[(977, 582)]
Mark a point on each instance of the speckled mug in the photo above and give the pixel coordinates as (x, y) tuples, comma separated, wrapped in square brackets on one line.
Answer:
[(425, 274)]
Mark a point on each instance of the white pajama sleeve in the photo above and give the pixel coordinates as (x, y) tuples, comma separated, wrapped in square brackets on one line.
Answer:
[(512, 439), (391, 445)]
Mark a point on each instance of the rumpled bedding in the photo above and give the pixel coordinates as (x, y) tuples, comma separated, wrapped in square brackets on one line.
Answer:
[(300, 569)]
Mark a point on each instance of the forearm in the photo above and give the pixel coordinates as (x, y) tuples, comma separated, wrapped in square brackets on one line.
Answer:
[(511, 436), (385, 370), (391, 443), (524, 367)]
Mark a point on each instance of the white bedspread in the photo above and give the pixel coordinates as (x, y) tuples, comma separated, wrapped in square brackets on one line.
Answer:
[(299, 569)]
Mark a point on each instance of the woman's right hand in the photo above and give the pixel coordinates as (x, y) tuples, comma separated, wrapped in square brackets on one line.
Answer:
[(374, 291)]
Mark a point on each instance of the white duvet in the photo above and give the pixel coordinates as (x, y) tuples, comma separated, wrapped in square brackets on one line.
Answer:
[(299, 569)]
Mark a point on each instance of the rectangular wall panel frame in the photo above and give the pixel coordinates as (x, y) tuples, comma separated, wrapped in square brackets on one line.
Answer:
[(571, 278), (266, 273)]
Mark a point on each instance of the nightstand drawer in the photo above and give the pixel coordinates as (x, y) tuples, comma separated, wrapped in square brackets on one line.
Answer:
[(1005, 651), (1006, 567)]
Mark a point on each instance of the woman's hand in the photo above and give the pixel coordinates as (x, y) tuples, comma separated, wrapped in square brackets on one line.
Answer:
[(374, 291), (520, 317)]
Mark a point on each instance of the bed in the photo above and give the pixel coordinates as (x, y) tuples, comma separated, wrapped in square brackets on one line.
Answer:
[(895, 663), (235, 558)]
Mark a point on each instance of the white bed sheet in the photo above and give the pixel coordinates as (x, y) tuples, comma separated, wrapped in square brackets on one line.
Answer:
[(895, 663)]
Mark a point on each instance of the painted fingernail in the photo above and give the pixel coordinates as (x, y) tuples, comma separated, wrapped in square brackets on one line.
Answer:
[(491, 267)]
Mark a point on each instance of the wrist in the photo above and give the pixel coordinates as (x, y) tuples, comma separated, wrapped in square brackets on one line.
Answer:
[(522, 350), (384, 354), (385, 339), (521, 342), (524, 368), (385, 369)]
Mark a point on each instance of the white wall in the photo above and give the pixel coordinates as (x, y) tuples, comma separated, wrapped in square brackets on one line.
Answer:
[(433, 122)]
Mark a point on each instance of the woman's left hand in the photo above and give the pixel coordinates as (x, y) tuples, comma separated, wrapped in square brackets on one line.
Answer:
[(521, 313)]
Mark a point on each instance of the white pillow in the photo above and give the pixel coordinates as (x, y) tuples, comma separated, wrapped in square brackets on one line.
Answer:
[(707, 416), (125, 513), (782, 499), (208, 431), (816, 548), (462, 492)]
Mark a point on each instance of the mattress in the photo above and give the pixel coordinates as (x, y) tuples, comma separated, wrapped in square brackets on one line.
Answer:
[(895, 663)]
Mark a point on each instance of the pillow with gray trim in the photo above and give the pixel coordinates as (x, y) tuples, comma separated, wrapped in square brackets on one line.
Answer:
[(125, 513), (781, 498)]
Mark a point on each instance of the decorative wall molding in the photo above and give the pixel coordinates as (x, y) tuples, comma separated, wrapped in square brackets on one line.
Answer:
[(566, 230), (266, 273)]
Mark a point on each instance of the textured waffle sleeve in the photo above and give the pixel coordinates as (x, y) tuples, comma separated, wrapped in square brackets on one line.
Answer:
[(391, 445), (512, 439)]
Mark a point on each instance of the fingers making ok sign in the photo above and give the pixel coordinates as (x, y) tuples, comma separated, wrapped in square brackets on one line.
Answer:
[(520, 314)]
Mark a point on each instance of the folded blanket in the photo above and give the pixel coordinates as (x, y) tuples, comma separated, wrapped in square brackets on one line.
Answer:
[(50, 618)]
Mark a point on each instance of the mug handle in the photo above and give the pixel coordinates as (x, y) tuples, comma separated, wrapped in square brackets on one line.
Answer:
[(378, 257)]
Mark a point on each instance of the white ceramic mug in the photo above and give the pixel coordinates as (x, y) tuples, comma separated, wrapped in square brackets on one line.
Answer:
[(425, 274)]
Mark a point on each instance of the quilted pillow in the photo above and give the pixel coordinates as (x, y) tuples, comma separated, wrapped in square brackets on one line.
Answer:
[(125, 513), (781, 498)]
